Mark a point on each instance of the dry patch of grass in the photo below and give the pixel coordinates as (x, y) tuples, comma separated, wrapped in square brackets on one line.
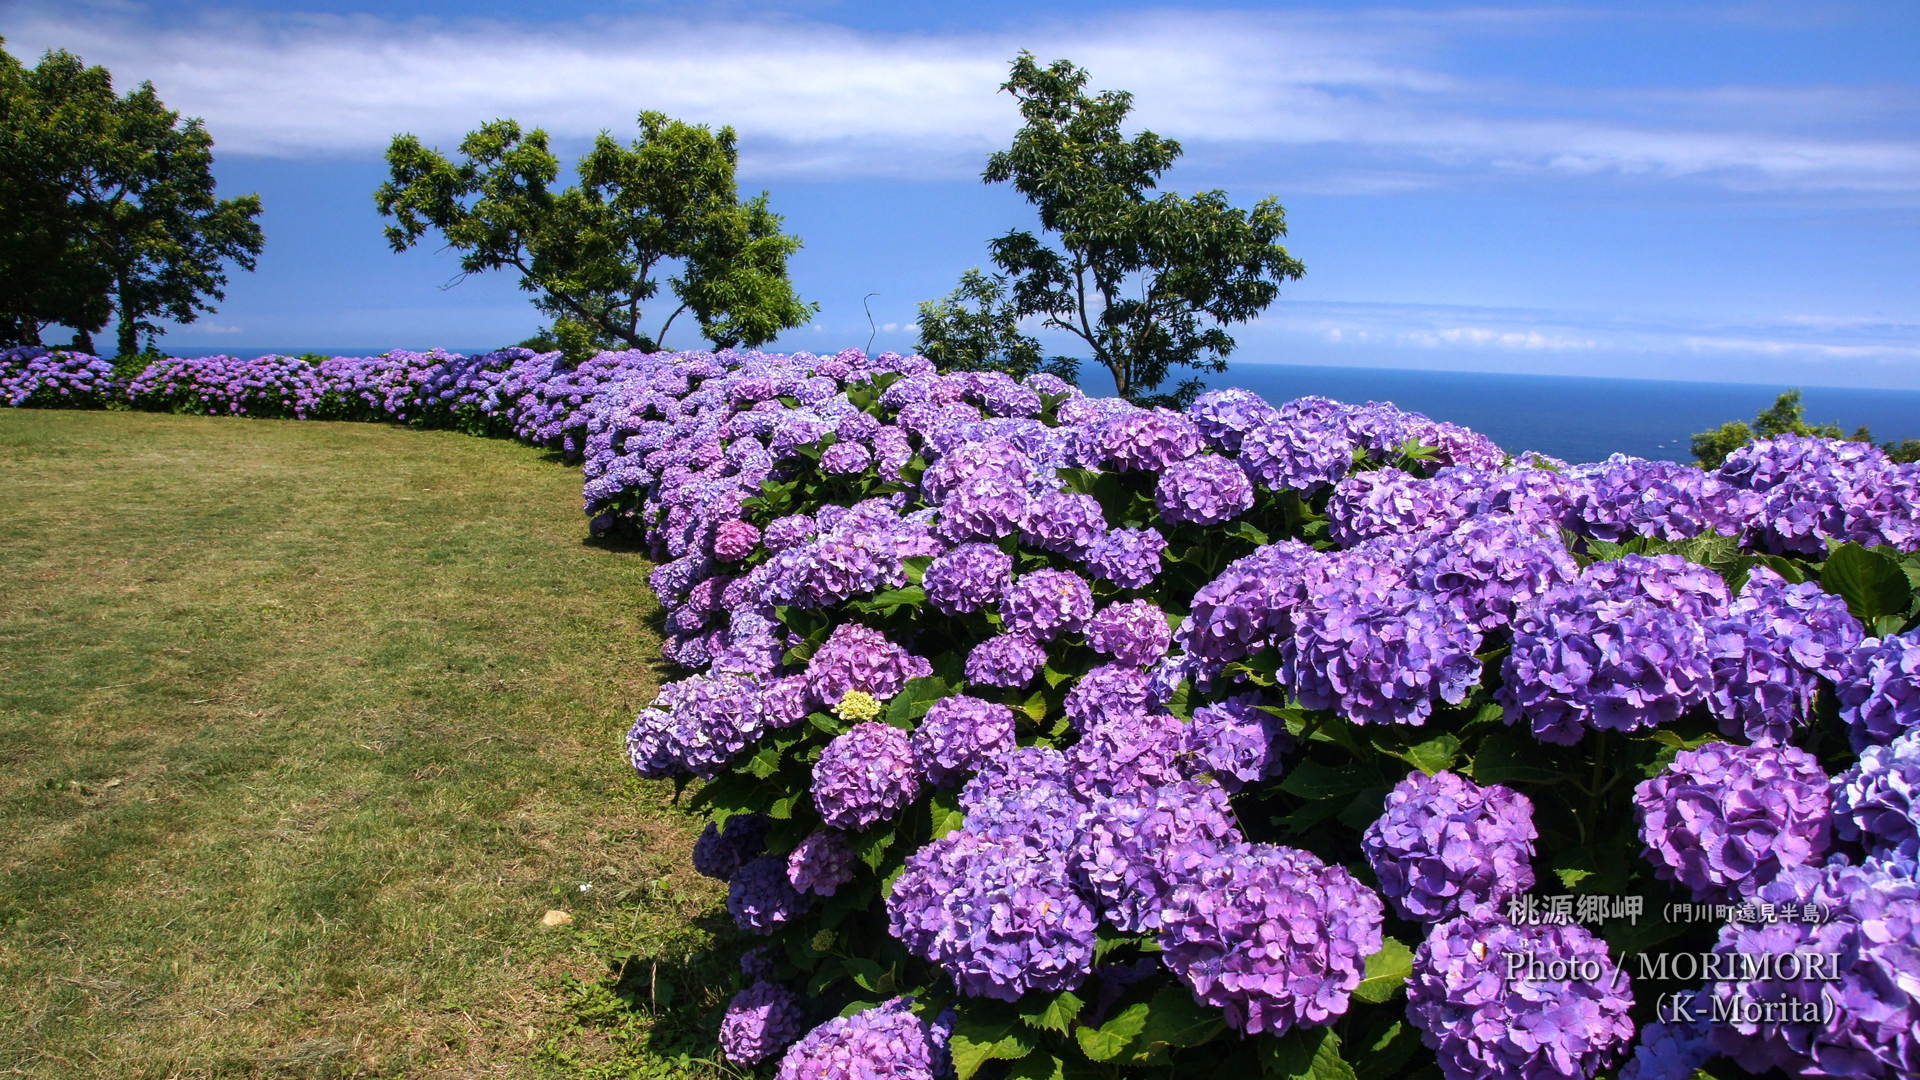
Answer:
[(303, 727)]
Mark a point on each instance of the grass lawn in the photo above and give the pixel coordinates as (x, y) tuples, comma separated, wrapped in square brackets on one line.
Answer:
[(303, 727)]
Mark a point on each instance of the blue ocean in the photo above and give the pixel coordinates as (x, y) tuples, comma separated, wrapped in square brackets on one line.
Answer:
[(1579, 419)]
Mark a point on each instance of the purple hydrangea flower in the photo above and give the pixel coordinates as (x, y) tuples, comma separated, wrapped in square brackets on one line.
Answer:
[(1486, 1021), (1000, 916), (1204, 490), (1807, 488), (1065, 522), (886, 1042), (1378, 659), (1150, 440), (1024, 794), (1240, 612), (760, 1022), (856, 657), (1008, 660), (865, 775), (1490, 566), (1723, 820), (958, 735), (1124, 752), (1879, 690), (788, 532), (820, 863), (1107, 692), (734, 540), (1134, 848), (784, 701), (1130, 558), (1676, 1044), (1388, 502), (1225, 416), (1625, 497), (1865, 1023), (845, 459), (757, 964), (1134, 632), (1445, 846), (760, 898), (720, 853), (968, 578), (1874, 802), (983, 508), (1271, 936), (1045, 603), (1238, 742), (1303, 452), (1623, 648)]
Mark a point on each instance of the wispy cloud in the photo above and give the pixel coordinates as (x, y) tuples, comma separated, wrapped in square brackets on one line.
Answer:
[(1486, 331), (811, 98)]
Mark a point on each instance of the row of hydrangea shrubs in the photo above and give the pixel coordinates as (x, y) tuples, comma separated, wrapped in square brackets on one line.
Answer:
[(1051, 736)]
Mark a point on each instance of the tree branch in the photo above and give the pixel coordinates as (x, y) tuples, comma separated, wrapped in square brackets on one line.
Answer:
[(660, 339)]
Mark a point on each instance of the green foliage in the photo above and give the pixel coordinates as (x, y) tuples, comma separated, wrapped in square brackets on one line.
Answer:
[(595, 254), (975, 328), (107, 208), (1786, 416), (1145, 283)]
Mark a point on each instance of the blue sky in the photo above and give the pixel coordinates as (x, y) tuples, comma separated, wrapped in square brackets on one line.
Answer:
[(1702, 191)]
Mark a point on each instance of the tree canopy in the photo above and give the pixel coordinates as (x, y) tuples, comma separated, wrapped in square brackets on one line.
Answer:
[(595, 254), (108, 208), (1786, 416), (1144, 282), (974, 328)]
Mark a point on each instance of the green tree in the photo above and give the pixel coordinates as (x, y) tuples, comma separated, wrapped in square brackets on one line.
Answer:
[(1786, 416), (595, 254), (108, 208), (975, 328), (1144, 282)]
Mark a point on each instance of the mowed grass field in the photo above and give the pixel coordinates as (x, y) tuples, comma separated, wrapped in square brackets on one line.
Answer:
[(303, 728)]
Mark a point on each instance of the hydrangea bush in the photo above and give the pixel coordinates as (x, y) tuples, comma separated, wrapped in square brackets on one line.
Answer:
[(1044, 735)]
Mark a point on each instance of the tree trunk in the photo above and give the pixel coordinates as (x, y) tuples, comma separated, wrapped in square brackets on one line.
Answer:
[(129, 332)]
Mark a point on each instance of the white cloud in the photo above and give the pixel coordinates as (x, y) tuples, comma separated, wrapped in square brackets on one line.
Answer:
[(811, 98), (1463, 329)]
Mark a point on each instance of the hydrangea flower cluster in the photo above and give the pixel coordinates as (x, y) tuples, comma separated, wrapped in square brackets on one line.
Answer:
[(35, 377), (887, 1041), (865, 775), (719, 853), (968, 578), (1622, 648), (1000, 915), (855, 657), (1271, 936), (761, 1021), (1205, 490), (761, 899), (958, 735), (1875, 801), (1135, 847), (1556, 1021), (1769, 654), (1238, 741), (1864, 1023), (1446, 846), (1880, 689), (820, 864), (1723, 820), (1135, 632)]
